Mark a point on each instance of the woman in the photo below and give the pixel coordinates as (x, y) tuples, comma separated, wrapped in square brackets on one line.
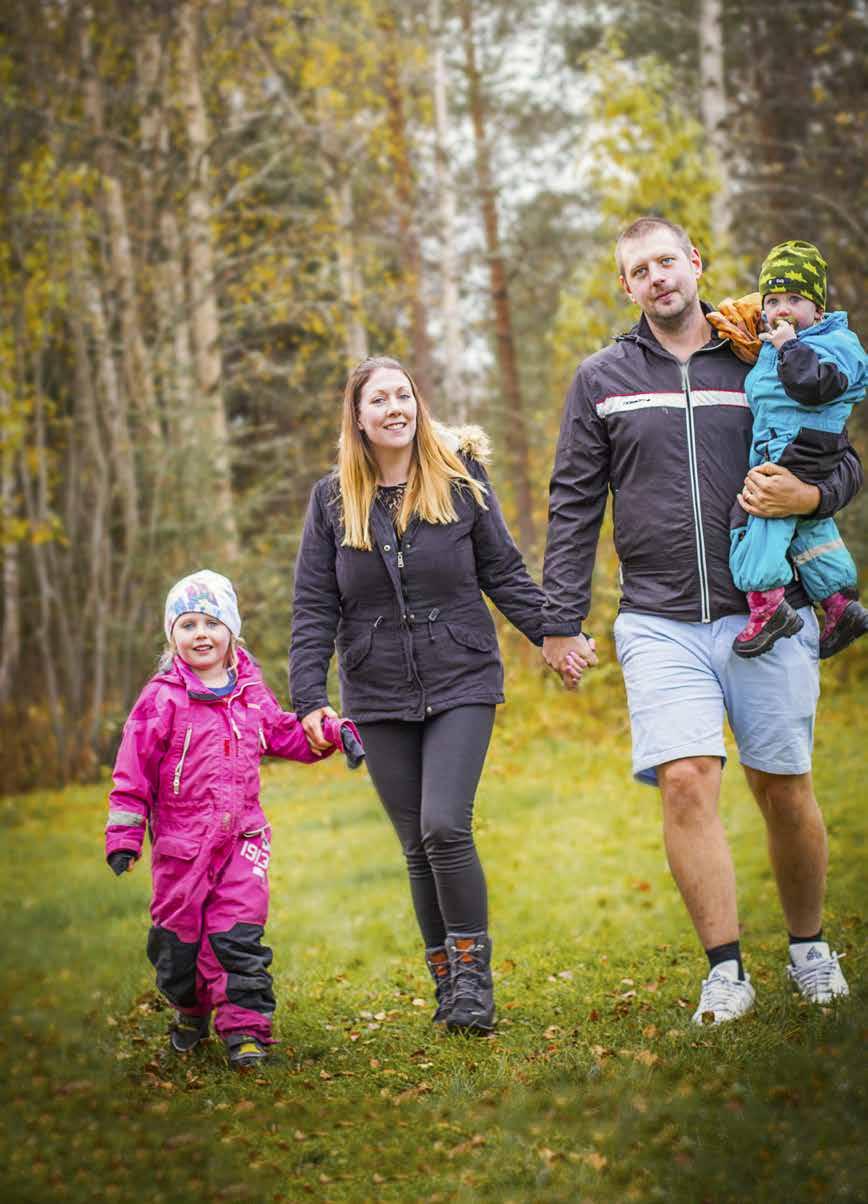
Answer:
[(399, 543)]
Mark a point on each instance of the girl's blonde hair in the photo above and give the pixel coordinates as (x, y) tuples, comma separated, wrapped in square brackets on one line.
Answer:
[(171, 651), (434, 467)]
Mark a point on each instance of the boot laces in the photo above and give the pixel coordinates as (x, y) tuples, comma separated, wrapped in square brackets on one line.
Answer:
[(468, 977)]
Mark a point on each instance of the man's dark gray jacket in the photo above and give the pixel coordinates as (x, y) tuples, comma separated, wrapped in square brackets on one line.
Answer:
[(671, 442)]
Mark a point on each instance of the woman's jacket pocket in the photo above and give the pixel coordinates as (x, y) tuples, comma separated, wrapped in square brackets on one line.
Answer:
[(467, 637), (355, 653)]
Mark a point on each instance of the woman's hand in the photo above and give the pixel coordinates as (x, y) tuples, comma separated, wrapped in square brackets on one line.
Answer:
[(772, 491), (569, 656), (312, 725)]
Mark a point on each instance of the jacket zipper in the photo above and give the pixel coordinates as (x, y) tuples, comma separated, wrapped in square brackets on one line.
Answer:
[(693, 468), (180, 766)]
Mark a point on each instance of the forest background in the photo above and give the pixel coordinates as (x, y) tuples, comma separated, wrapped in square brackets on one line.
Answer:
[(211, 209)]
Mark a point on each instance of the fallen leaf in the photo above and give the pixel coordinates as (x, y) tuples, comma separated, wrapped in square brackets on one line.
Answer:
[(419, 1003), (646, 1057)]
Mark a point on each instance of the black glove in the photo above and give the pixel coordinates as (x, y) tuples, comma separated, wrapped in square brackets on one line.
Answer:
[(120, 861), (352, 747)]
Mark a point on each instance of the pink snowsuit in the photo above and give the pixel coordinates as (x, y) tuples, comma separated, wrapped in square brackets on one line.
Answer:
[(188, 768)]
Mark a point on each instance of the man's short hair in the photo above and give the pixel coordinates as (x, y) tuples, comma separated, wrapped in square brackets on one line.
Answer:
[(643, 226)]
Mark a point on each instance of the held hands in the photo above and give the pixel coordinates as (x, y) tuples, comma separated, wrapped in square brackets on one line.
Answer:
[(325, 729), (569, 655), (312, 725), (772, 491)]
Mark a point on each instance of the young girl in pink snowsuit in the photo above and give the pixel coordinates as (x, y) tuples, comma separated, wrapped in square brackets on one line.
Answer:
[(188, 769)]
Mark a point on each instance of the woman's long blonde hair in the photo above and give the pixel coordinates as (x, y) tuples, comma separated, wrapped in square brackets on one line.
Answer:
[(434, 468)]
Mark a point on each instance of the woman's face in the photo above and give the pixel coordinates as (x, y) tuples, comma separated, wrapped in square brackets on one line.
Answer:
[(387, 410)]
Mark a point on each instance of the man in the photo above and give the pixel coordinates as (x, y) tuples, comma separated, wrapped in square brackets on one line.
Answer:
[(660, 418)]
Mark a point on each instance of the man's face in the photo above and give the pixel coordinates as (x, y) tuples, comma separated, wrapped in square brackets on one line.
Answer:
[(659, 276)]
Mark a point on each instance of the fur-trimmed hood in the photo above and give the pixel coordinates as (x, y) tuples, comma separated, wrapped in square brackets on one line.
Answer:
[(470, 440)]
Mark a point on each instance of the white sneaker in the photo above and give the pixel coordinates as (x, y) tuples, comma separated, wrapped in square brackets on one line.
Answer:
[(724, 995), (820, 980)]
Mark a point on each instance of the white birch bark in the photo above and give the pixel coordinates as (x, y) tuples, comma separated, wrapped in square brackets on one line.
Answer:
[(205, 321), (136, 362), (10, 649), (453, 388), (713, 109)]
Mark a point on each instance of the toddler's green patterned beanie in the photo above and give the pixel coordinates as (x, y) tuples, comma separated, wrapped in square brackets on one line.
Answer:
[(794, 267)]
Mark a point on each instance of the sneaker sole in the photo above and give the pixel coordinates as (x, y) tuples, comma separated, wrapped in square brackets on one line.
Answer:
[(474, 1029), (185, 1049)]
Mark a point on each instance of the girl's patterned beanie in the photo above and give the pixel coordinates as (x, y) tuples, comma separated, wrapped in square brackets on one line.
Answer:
[(794, 267), (203, 593)]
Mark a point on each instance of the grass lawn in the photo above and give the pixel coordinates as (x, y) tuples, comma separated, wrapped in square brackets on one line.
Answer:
[(595, 1088)]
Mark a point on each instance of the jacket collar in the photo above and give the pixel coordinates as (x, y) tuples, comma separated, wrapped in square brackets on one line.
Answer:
[(642, 333), (180, 673)]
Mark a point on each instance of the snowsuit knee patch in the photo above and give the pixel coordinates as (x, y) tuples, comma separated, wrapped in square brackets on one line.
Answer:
[(175, 963), (246, 960)]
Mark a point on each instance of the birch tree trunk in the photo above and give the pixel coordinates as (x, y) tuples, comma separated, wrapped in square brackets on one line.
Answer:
[(114, 406), (713, 109), (136, 361), (10, 648), (453, 388), (99, 597), (513, 405), (203, 286), (348, 273), (340, 192), (149, 58), (410, 247), (36, 504)]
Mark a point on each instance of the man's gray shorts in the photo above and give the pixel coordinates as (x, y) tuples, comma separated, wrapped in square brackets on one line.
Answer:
[(682, 677)]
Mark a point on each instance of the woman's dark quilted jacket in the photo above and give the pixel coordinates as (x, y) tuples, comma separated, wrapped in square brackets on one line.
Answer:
[(413, 633)]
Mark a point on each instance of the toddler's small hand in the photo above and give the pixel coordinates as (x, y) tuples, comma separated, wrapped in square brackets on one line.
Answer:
[(782, 333), (121, 862)]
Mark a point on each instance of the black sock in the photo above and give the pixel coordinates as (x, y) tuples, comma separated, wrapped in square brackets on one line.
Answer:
[(730, 952), (804, 940)]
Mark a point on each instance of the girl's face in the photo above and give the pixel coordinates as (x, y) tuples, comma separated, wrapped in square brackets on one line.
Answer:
[(202, 641), (387, 410)]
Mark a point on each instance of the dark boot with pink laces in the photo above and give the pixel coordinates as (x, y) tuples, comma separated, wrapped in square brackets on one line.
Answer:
[(771, 619)]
